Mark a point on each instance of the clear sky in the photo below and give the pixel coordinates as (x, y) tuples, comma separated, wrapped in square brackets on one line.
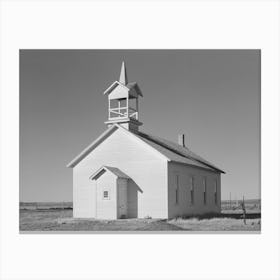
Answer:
[(213, 96)]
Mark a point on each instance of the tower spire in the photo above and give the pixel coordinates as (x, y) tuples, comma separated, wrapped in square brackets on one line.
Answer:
[(123, 75), (123, 101)]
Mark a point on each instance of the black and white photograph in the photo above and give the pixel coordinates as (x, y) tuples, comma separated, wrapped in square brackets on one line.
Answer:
[(140, 140)]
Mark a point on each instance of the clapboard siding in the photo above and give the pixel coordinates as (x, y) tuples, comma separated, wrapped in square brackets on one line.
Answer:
[(122, 198), (184, 206), (132, 199), (146, 168), (106, 208), (84, 191)]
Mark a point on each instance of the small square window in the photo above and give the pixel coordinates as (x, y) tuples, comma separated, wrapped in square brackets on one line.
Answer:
[(105, 195)]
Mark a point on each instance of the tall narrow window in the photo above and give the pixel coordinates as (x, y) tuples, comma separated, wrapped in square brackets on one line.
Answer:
[(215, 192), (204, 191), (192, 190), (177, 190)]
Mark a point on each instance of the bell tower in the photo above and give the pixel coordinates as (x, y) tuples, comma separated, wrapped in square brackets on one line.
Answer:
[(123, 102)]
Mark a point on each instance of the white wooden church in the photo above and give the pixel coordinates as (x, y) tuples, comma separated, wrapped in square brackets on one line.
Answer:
[(126, 173)]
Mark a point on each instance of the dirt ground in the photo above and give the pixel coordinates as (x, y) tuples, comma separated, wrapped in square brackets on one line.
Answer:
[(61, 220)]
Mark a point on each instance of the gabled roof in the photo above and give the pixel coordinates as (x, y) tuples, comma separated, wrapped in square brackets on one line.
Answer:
[(92, 146), (114, 170), (123, 81), (136, 88), (117, 172), (128, 87), (113, 86), (167, 149), (178, 153)]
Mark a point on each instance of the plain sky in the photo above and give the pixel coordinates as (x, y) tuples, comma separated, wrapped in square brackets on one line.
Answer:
[(213, 96)]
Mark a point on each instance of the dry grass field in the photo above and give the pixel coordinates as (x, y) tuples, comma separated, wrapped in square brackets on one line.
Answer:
[(37, 220)]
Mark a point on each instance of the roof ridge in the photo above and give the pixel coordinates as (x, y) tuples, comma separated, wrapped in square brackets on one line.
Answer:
[(90, 147), (162, 144), (198, 159), (168, 148), (114, 170)]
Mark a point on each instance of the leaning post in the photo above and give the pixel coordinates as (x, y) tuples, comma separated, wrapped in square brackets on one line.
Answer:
[(244, 210)]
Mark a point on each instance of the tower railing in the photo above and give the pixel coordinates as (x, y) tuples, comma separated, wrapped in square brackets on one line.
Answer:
[(122, 112)]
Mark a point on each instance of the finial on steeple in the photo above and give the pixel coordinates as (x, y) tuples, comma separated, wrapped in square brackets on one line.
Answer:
[(123, 75)]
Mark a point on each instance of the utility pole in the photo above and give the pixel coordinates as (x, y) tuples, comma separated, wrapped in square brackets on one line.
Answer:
[(244, 210), (230, 200)]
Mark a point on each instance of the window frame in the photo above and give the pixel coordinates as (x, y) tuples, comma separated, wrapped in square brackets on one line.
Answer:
[(192, 189), (204, 191), (215, 192), (177, 189), (108, 195)]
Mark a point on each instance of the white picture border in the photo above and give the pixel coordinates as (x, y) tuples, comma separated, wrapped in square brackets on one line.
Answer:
[(146, 24)]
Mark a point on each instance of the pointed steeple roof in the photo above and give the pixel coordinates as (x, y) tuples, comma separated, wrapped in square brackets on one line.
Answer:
[(123, 75), (123, 82)]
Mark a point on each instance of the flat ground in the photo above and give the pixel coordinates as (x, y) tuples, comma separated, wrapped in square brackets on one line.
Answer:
[(61, 220)]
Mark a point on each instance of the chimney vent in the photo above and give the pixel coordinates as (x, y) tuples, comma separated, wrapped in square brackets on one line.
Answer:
[(181, 140)]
